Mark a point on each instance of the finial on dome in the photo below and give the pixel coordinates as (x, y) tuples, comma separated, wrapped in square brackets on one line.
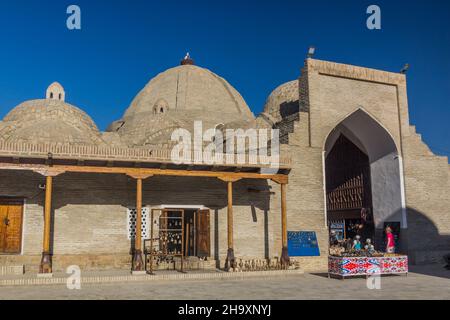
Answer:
[(55, 91), (187, 60)]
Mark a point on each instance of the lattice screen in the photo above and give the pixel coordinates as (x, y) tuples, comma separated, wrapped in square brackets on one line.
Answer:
[(131, 223)]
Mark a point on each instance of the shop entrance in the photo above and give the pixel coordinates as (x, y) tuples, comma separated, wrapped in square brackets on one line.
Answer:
[(364, 189), (177, 234), (197, 231), (349, 194)]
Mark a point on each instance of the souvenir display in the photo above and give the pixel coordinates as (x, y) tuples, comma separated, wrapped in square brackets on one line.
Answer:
[(369, 247), (263, 265), (169, 241)]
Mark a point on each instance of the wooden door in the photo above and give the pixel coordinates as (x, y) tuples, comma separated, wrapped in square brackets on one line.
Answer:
[(203, 234), (11, 213)]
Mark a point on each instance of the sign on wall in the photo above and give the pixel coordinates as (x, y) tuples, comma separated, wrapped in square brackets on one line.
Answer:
[(303, 244)]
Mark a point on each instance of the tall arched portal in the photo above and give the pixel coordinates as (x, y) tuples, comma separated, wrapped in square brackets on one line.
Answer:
[(364, 189)]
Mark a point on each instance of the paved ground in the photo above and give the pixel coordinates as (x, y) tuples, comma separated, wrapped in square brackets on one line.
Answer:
[(431, 282)]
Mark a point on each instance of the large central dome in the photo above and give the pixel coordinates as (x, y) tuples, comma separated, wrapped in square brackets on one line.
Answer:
[(190, 88), (176, 98)]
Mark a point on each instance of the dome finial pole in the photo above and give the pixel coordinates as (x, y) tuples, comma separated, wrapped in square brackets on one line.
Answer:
[(187, 60)]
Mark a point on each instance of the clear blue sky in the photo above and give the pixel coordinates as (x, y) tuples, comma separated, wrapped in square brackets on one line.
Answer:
[(254, 44)]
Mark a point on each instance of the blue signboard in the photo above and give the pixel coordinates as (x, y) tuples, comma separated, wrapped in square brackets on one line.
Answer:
[(303, 244)]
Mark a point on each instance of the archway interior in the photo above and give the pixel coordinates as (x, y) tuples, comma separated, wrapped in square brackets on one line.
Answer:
[(363, 178), (349, 195)]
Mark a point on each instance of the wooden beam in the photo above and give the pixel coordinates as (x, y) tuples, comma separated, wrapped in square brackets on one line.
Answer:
[(225, 176), (280, 179), (228, 179), (49, 172), (141, 176), (46, 261)]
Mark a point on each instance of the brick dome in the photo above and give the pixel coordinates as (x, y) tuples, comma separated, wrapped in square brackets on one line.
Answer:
[(283, 101), (49, 121), (177, 98)]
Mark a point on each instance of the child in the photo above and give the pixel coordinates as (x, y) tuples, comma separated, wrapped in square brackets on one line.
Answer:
[(357, 243)]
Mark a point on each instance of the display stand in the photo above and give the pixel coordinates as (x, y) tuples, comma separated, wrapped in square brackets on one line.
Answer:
[(168, 242), (367, 266)]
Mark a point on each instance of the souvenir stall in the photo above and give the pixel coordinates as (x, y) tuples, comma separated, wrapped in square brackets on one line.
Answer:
[(166, 244), (355, 259)]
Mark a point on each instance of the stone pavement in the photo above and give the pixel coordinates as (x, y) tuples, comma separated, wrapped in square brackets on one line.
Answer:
[(427, 282)]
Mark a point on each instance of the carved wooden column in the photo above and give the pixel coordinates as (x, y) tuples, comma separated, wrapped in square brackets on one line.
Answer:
[(46, 261), (284, 238), (230, 262), (137, 264), (45, 267), (285, 260)]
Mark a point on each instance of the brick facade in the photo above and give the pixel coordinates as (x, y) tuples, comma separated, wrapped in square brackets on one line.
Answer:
[(90, 222)]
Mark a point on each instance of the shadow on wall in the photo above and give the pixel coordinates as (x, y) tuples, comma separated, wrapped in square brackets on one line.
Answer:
[(425, 243), (102, 189)]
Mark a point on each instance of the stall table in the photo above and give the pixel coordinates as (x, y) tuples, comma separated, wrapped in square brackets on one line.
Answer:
[(366, 266)]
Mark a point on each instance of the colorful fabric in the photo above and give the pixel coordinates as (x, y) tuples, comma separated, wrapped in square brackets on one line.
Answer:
[(352, 266)]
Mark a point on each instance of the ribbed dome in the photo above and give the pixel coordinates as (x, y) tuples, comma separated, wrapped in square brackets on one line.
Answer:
[(189, 88), (283, 101), (49, 121)]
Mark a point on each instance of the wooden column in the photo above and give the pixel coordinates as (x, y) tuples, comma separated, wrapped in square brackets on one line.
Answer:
[(138, 262), (230, 262), (46, 261), (284, 239)]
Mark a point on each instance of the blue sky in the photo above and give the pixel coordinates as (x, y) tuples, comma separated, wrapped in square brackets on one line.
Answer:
[(254, 44)]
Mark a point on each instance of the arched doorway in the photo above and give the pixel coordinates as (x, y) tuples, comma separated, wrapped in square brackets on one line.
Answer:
[(349, 192), (364, 191)]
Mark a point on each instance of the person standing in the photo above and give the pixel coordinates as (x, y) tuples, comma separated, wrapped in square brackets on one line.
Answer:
[(390, 241)]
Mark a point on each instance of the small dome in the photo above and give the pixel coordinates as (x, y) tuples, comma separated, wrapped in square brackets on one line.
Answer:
[(56, 92), (283, 101), (49, 121)]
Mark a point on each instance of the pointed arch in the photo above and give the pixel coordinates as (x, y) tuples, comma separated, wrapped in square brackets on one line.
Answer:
[(386, 169)]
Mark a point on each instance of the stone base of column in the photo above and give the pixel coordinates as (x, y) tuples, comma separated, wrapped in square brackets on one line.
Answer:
[(285, 260), (230, 262), (137, 262), (46, 263)]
